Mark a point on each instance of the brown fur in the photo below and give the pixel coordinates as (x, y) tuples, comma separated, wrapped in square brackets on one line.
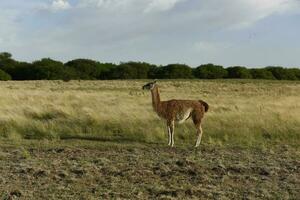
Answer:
[(178, 111), (205, 105)]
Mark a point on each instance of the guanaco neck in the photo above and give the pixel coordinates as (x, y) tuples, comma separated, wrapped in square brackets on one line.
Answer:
[(155, 99)]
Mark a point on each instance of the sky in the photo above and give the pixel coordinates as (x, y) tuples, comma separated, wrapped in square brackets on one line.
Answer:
[(253, 33)]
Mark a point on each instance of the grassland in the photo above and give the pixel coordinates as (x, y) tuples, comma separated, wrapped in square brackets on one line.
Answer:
[(101, 139)]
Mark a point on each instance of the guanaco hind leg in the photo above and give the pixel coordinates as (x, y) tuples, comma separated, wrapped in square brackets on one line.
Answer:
[(199, 133), (197, 118)]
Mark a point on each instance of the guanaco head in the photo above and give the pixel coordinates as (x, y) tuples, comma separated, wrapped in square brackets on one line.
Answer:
[(149, 86)]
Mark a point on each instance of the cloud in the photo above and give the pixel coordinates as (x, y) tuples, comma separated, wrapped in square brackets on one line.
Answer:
[(251, 11), (229, 13), (8, 35), (60, 5), (110, 5), (152, 30), (211, 46), (130, 5), (161, 5)]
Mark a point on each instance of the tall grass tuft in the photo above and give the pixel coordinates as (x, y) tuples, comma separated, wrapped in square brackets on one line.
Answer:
[(246, 112)]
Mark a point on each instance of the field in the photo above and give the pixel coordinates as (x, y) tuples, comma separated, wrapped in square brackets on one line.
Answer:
[(101, 140)]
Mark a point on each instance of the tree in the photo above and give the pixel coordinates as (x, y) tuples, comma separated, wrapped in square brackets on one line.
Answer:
[(239, 72), (6, 62), (5, 55), (124, 71), (21, 71), (172, 71), (210, 71), (142, 69), (131, 70), (295, 72), (281, 73), (106, 71), (86, 68), (47, 69), (4, 76), (177, 71), (261, 74)]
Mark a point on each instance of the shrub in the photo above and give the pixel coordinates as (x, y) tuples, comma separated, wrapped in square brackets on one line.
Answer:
[(124, 71), (239, 72), (47, 69), (131, 70), (261, 74), (295, 72), (281, 73), (172, 71), (84, 68), (4, 76), (142, 69), (210, 71)]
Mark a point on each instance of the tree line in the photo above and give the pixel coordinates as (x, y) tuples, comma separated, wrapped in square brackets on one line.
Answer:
[(86, 69)]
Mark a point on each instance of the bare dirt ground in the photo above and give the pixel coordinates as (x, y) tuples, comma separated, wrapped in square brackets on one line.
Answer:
[(108, 170)]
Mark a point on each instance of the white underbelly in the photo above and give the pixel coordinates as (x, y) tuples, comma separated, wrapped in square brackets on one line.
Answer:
[(182, 117)]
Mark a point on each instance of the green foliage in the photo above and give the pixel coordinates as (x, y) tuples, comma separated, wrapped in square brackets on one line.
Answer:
[(4, 76), (106, 71), (172, 71), (86, 69), (142, 69), (47, 69), (239, 72), (124, 71), (296, 72), (261, 74), (210, 71), (131, 70), (5, 55), (7, 64), (21, 71), (281, 73)]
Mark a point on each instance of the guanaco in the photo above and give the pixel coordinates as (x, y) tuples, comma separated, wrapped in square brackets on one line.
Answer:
[(177, 111)]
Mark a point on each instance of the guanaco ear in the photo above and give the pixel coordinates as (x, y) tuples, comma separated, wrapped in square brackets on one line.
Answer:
[(155, 81)]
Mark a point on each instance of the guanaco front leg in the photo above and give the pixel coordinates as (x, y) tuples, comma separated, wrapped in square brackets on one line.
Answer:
[(172, 133), (170, 125), (169, 135)]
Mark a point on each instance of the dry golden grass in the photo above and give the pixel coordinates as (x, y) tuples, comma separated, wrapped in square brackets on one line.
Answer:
[(241, 112)]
